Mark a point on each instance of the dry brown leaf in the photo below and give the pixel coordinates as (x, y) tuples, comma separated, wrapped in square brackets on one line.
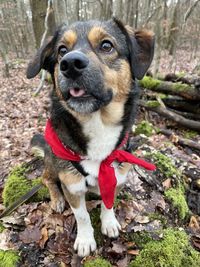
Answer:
[(134, 252), (194, 224), (167, 183), (30, 235), (44, 238)]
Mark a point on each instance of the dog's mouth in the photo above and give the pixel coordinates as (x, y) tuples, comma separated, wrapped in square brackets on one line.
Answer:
[(78, 93)]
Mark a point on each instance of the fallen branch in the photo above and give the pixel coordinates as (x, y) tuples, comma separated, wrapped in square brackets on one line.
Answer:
[(182, 105), (186, 91), (188, 115), (156, 107), (182, 141)]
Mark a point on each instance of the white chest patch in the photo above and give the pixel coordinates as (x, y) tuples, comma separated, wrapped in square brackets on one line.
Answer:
[(103, 139)]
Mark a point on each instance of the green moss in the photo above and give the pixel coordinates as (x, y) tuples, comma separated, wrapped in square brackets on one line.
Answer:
[(173, 250), (162, 96), (144, 127), (180, 74), (140, 238), (98, 262), (43, 193), (17, 185), (180, 86), (149, 82), (96, 223), (9, 258), (177, 198), (1, 227), (189, 134), (164, 164), (153, 104)]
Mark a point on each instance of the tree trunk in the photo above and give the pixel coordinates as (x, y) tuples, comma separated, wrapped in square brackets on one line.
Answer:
[(174, 29), (38, 8)]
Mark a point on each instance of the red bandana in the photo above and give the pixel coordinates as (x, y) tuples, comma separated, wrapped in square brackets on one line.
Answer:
[(106, 178)]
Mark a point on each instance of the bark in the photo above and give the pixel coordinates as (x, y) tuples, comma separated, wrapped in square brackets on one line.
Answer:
[(188, 115), (38, 8), (174, 29), (182, 105), (4, 55)]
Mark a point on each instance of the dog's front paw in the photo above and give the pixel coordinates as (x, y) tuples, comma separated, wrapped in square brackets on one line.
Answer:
[(58, 204), (85, 245), (110, 226)]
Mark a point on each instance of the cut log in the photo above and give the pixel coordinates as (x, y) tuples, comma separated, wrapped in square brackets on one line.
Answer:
[(186, 91), (156, 107)]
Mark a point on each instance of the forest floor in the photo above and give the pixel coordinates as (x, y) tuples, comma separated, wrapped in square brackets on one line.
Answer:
[(45, 238)]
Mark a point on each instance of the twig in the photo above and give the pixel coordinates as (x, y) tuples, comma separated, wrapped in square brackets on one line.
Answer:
[(44, 36)]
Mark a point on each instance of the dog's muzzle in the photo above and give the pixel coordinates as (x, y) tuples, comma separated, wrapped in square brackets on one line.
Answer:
[(73, 64)]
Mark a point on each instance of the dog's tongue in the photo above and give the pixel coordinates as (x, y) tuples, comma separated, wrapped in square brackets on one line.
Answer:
[(76, 92)]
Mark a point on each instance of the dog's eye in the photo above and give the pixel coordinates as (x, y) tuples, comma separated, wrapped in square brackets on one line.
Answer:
[(62, 50), (106, 46)]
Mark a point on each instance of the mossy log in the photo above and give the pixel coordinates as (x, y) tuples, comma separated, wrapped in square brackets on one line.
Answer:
[(156, 107), (186, 91)]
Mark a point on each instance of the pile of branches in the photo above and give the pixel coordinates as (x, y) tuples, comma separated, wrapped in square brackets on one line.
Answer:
[(175, 98)]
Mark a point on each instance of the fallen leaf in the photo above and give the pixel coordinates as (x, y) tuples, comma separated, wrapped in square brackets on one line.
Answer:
[(141, 219), (44, 238), (118, 247), (194, 224), (30, 235), (134, 252), (167, 183)]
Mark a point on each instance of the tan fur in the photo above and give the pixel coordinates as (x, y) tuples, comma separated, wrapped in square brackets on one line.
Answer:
[(72, 199), (68, 178), (145, 35), (119, 81), (112, 113), (95, 35), (69, 38), (49, 179)]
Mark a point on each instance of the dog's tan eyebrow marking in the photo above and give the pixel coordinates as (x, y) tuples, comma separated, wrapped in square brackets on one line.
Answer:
[(96, 34), (69, 38)]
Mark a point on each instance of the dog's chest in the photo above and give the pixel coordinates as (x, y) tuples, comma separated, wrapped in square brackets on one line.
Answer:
[(103, 139)]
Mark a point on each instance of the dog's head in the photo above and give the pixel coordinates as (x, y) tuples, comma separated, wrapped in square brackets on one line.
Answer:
[(93, 63)]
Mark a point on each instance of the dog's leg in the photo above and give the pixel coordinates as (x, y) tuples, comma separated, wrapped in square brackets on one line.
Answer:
[(85, 242), (57, 199), (109, 224)]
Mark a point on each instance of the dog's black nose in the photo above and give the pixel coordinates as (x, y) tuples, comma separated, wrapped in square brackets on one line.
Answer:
[(73, 64)]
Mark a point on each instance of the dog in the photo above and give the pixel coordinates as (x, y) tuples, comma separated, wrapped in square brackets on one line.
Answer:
[(94, 68)]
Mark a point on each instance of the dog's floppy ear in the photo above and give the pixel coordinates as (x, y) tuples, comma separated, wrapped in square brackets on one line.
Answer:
[(141, 48), (44, 59)]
